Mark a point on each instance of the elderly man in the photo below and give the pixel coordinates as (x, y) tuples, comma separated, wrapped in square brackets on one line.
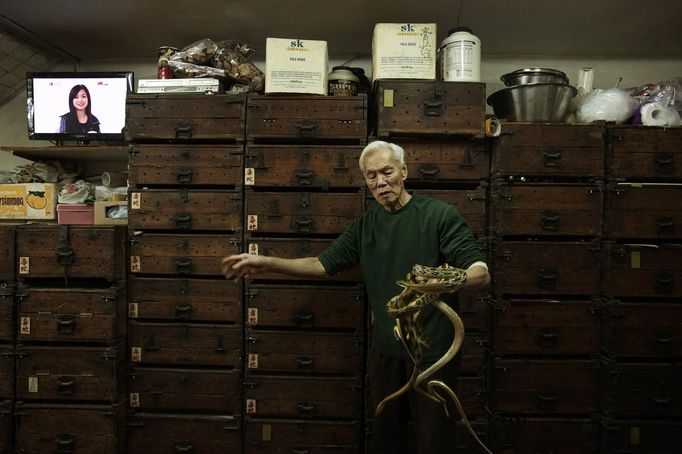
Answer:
[(408, 229)]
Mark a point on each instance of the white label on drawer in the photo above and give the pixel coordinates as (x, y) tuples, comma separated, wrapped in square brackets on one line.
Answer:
[(133, 310), (134, 400), (253, 361), (24, 265), (135, 200), (25, 325), (135, 263), (252, 318), (252, 222), (250, 406), (253, 248), (33, 384), (249, 176), (136, 354)]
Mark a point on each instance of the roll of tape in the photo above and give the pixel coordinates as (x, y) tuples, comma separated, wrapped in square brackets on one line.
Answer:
[(493, 127)]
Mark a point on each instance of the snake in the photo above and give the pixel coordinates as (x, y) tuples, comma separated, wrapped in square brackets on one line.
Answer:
[(422, 287)]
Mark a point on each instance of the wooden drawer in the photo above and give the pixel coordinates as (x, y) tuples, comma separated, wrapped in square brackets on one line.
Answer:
[(517, 435), (644, 152), (641, 436), (211, 300), (544, 386), (304, 351), (284, 436), (6, 372), (185, 117), (78, 428), (546, 209), (648, 329), (7, 320), (181, 254), (294, 248), (636, 389), (301, 212), (181, 209), (640, 270), (70, 314), (544, 267), (6, 427), (471, 393), (7, 259), (638, 210), (414, 107), (306, 117), (452, 161), (303, 166), (54, 251), (178, 433), (473, 354), (185, 390), (542, 327), (526, 149), (473, 309), (185, 344), (62, 373), (186, 165), (303, 397), (305, 306)]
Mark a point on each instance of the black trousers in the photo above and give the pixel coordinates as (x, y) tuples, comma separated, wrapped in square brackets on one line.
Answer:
[(431, 430)]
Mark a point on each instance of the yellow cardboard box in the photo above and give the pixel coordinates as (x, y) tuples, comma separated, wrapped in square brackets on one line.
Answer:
[(101, 213), (28, 201)]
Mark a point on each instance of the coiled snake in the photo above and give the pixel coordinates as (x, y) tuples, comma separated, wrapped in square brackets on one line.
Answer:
[(422, 287)]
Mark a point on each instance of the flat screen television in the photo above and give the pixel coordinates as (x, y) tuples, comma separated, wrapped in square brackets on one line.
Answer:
[(77, 106)]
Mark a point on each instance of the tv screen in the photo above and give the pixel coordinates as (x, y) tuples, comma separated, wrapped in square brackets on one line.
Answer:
[(64, 106)]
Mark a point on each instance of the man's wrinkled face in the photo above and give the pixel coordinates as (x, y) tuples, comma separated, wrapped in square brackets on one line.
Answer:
[(385, 178)]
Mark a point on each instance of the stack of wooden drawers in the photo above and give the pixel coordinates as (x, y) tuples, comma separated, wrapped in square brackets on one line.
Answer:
[(441, 126), (546, 220), (7, 339), (303, 385), (642, 286), (70, 352), (185, 320)]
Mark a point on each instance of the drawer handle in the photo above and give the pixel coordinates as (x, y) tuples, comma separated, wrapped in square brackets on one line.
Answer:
[(304, 177), (184, 175), (664, 283), (185, 447), (547, 337), (303, 225), (65, 443), (304, 363), (66, 324), (300, 451), (547, 278), (304, 319), (664, 340), (65, 385), (306, 128), (433, 108), (183, 266), (665, 226), (183, 311), (547, 400), (183, 132), (661, 401), (551, 158), (65, 255), (429, 174), (306, 409), (183, 221), (549, 221), (664, 163)]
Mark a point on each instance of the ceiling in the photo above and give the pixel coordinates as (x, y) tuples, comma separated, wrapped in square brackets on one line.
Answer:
[(127, 29)]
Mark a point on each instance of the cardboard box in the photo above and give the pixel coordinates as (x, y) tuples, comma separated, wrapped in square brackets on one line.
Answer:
[(101, 208), (28, 201), (75, 213), (404, 51), (296, 66)]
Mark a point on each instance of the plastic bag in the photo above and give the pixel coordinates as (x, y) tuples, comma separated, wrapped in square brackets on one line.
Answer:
[(79, 192), (612, 104), (197, 53), (183, 69)]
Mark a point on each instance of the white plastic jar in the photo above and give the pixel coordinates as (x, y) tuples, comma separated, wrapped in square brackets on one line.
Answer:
[(460, 55)]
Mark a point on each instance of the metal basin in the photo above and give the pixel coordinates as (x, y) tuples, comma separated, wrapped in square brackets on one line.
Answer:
[(542, 102), (534, 76)]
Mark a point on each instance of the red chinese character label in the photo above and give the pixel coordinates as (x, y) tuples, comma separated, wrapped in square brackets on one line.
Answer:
[(25, 325), (136, 354), (135, 200), (134, 400), (252, 317), (250, 406), (252, 222), (249, 176), (133, 310), (252, 362), (253, 248), (24, 265), (135, 263)]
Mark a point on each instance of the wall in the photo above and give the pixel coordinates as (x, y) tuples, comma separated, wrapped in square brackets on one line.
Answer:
[(606, 73)]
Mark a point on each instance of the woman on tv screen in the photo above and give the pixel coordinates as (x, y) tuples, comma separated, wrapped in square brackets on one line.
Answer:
[(79, 119)]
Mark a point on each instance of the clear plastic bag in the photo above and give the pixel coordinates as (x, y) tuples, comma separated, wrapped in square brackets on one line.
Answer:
[(612, 104), (197, 53)]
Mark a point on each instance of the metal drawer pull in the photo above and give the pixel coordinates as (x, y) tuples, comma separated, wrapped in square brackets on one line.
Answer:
[(183, 447), (551, 159), (65, 444), (304, 319), (665, 226), (549, 221), (183, 311), (547, 337), (184, 175), (304, 177), (306, 409), (183, 132), (433, 108), (304, 363), (65, 385), (429, 173), (303, 224), (183, 221), (664, 163), (66, 324), (306, 128), (547, 278), (183, 266), (664, 282)]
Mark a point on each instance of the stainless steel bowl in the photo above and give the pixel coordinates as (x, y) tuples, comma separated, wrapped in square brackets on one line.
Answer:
[(534, 76), (542, 103)]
